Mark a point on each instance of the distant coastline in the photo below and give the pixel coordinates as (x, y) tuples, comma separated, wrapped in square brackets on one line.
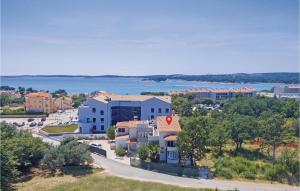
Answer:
[(274, 77)]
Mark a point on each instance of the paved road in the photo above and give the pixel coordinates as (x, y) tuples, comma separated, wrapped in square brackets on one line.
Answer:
[(125, 171)]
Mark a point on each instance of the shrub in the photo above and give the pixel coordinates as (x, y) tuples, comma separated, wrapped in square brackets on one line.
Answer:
[(143, 153), (111, 133), (224, 172), (120, 152), (248, 175)]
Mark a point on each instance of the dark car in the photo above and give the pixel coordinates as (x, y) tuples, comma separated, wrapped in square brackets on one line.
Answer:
[(30, 119), (15, 123), (43, 119), (20, 124), (32, 124), (40, 123)]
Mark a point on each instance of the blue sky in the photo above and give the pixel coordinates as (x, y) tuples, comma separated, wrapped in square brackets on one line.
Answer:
[(136, 37)]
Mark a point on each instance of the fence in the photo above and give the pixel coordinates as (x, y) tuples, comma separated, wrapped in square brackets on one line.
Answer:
[(165, 168), (97, 150)]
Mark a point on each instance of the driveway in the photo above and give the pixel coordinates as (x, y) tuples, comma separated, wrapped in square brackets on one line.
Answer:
[(125, 171)]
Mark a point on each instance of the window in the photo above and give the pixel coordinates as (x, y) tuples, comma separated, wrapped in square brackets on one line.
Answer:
[(94, 127), (159, 110), (152, 110), (152, 117), (171, 144), (87, 120), (102, 120), (101, 112), (94, 120), (102, 127), (121, 130), (94, 110), (172, 155), (167, 110)]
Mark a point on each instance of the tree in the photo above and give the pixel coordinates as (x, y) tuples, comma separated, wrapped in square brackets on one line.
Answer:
[(290, 108), (69, 153), (153, 151), (272, 130), (143, 153), (53, 160), (8, 167), (29, 90), (111, 133), (4, 100), (218, 137), (192, 141), (290, 161), (241, 128), (78, 99), (182, 106), (21, 90)]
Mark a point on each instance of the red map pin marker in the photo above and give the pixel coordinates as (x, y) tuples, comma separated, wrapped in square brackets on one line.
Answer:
[(169, 119)]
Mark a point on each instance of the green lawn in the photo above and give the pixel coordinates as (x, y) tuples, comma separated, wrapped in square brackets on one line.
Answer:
[(60, 129)]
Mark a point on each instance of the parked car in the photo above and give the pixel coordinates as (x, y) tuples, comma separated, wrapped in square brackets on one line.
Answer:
[(40, 123), (15, 123), (96, 145), (32, 124), (30, 120), (20, 124), (43, 119)]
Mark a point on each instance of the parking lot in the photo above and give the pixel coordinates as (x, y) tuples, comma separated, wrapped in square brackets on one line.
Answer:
[(58, 118)]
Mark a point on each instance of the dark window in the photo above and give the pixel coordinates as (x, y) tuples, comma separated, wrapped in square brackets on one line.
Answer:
[(152, 110), (94, 120), (101, 112), (171, 144), (102, 120), (167, 110), (102, 127), (152, 116), (94, 127), (124, 113), (159, 110), (94, 110), (121, 130), (87, 120)]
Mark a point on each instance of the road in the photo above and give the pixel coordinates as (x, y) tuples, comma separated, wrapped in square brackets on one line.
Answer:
[(126, 171)]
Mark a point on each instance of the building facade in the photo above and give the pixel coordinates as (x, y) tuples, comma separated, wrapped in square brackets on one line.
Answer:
[(217, 94), (63, 103), (40, 102), (132, 135), (104, 110)]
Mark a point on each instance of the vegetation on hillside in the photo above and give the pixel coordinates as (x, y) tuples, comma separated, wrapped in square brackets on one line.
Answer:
[(228, 133), (20, 152), (78, 99)]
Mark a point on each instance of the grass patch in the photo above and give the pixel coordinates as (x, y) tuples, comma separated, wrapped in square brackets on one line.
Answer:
[(60, 129), (95, 181)]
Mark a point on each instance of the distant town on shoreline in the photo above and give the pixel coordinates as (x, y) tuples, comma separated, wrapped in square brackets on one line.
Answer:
[(274, 77)]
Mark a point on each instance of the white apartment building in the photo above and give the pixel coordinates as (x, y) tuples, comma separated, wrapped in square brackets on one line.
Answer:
[(104, 110)]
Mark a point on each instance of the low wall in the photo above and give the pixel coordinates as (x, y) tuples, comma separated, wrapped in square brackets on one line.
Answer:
[(165, 168)]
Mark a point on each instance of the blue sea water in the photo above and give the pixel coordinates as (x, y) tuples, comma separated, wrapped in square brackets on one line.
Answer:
[(129, 86)]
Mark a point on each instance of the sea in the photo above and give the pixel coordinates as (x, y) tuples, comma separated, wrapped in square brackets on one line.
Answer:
[(118, 85)]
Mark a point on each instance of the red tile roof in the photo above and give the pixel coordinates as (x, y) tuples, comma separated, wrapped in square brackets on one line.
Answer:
[(163, 126)]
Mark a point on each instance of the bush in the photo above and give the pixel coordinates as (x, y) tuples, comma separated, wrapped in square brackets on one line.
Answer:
[(248, 175), (111, 133), (225, 173), (143, 153), (120, 152)]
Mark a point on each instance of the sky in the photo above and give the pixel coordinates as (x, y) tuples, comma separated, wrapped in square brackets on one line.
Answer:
[(136, 37)]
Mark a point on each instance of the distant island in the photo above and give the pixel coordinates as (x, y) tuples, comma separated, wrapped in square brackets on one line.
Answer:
[(275, 77)]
